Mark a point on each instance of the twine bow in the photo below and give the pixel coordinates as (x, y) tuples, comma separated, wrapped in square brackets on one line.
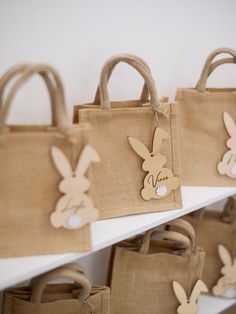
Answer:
[(163, 111), (160, 110)]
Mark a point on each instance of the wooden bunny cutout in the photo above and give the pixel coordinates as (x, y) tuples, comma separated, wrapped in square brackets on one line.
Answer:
[(75, 208), (188, 306), (228, 164), (226, 285), (159, 181)]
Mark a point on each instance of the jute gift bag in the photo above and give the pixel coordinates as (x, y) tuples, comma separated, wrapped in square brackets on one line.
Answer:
[(207, 118), (144, 271), (37, 180), (216, 233), (129, 135), (64, 298)]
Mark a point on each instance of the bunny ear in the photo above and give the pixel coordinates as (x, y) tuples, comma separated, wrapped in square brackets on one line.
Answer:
[(224, 255), (179, 292), (87, 156), (159, 135), (61, 162), (198, 288), (139, 147), (229, 124)]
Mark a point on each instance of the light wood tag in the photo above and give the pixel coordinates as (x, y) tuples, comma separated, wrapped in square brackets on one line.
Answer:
[(226, 285), (159, 181), (75, 208), (228, 164), (188, 305)]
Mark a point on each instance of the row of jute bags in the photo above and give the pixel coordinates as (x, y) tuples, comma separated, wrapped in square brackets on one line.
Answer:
[(161, 271), (165, 270), (157, 272), (118, 158)]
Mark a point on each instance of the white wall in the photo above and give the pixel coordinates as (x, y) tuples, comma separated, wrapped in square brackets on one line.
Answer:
[(77, 36)]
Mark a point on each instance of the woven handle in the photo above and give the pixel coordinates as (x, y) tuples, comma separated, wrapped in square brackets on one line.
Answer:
[(131, 60), (229, 211), (73, 266), (168, 238), (144, 98), (58, 110), (217, 63), (145, 95), (201, 85), (19, 69), (228, 214), (39, 284), (179, 223)]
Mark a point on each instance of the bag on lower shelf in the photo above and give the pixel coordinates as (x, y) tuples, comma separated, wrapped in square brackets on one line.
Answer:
[(216, 233), (158, 273), (230, 310), (40, 298), (44, 207)]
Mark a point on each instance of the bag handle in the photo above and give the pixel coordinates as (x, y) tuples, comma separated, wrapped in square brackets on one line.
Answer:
[(178, 223), (39, 284), (145, 95), (201, 85), (217, 63), (72, 266), (228, 215), (170, 238), (60, 108), (18, 69), (229, 211), (144, 98), (131, 60)]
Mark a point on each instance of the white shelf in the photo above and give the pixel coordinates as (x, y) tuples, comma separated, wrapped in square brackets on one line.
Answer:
[(108, 232), (213, 305)]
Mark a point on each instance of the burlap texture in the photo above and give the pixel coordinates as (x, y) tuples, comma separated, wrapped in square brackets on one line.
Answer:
[(29, 184), (203, 134), (117, 184), (211, 230), (57, 298), (142, 283)]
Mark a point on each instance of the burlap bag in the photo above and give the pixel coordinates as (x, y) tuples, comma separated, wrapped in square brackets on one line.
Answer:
[(117, 185), (214, 228), (29, 180), (203, 134), (143, 274), (231, 310), (40, 298)]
